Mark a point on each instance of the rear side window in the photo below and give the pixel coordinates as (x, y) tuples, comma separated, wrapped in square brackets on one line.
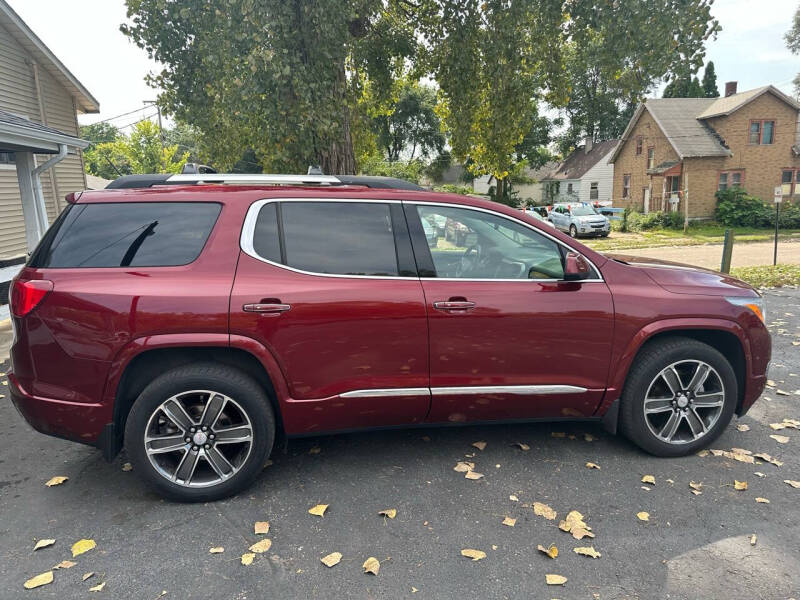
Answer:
[(130, 234), (338, 238)]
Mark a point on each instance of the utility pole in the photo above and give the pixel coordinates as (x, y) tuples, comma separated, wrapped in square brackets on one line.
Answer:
[(160, 128)]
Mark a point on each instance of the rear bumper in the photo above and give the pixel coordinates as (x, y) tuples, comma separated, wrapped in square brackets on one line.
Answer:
[(75, 421)]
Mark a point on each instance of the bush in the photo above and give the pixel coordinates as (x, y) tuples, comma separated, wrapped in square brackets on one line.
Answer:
[(735, 208), (410, 170), (636, 221), (451, 188)]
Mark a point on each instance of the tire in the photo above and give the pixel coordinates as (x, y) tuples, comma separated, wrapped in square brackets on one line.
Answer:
[(244, 405), (644, 376), (573, 231), (604, 235)]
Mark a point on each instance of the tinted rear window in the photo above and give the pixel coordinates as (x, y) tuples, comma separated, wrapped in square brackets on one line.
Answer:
[(130, 234)]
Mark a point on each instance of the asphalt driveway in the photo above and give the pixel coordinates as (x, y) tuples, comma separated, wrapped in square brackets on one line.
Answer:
[(692, 546)]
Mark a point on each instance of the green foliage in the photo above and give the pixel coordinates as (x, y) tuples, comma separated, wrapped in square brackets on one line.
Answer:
[(710, 89), (769, 276), (792, 38), (98, 133), (684, 87), (451, 188), (736, 208), (636, 221), (410, 170)]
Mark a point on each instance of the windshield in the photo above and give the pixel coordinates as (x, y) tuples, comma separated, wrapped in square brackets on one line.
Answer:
[(583, 210)]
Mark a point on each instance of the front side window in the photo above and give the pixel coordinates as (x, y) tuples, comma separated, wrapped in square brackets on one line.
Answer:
[(479, 245), (127, 234), (334, 238)]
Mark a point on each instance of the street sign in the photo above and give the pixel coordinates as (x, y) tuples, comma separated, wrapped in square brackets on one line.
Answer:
[(778, 194)]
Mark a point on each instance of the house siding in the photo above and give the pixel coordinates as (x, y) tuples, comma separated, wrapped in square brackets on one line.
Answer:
[(18, 96), (603, 174)]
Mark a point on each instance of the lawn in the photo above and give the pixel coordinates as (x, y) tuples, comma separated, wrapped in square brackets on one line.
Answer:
[(769, 276), (696, 235)]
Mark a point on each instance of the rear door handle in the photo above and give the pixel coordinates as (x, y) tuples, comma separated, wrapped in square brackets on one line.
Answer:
[(266, 307), (454, 305)]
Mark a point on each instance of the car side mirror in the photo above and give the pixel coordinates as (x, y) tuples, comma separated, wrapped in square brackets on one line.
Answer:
[(576, 267)]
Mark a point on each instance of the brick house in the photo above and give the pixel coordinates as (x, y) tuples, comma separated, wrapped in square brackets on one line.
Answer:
[(700, 145)]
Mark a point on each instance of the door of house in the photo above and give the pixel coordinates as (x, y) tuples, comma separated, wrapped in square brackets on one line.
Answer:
[(646, 196)]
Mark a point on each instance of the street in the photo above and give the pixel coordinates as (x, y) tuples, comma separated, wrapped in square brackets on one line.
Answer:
[(692, 546)]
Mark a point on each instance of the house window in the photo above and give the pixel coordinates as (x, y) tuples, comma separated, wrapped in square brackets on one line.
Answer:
[(639, 142), (762, 132), (730, 179), (651, 157), (569, 188), (790, 182), (7, 158), (594, 191), (626, 186)]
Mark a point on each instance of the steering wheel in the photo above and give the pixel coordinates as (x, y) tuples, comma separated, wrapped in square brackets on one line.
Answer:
[(469, 260)]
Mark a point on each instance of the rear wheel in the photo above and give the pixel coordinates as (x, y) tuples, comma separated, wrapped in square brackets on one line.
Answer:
[(573, 231), (679, 397), (200, 432)]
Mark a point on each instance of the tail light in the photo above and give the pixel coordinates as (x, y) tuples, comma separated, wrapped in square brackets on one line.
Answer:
[(27, 295)]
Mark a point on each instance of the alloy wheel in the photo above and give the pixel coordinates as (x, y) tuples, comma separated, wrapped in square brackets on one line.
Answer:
[(684, 401), (198, 438)]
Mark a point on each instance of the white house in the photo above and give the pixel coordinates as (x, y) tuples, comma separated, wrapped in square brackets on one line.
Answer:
[(584, 176)]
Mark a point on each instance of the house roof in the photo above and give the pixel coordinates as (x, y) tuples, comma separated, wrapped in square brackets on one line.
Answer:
[(725, 106), (17, 28), (18, 134), (579, 162)]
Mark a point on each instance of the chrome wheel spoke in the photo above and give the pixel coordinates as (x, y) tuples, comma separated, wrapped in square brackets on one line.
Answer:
[(177, 414), (166, 443), (218, 462), (696, 424), (234, 435), (187, 466), (653, 406), (215, 405), (699, 378), (672, 379), (670, 427), (709, 400)]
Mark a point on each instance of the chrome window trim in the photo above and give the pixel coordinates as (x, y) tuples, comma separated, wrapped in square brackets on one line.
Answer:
[(519, 390), (249, 226)]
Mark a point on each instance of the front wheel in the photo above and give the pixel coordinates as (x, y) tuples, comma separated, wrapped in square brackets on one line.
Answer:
[(573, 231), (679, 397), (201, 432)]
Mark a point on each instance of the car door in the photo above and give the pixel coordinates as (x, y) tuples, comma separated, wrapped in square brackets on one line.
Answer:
[(331, 290), (558, 217), (509, 337)]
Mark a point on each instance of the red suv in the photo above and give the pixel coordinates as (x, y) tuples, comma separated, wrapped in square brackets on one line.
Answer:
[(194, 323)]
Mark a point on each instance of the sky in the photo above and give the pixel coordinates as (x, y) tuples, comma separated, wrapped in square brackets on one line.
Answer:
[(85, 35)]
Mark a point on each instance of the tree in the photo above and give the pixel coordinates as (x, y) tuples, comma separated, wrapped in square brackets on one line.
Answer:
[(279, 77), (684, 87), (97, 133), (710, 89), (792, 38)]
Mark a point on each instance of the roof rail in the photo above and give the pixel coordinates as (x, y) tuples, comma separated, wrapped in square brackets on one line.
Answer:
[(145, 181)]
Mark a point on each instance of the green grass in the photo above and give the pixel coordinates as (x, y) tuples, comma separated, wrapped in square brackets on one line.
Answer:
[(696, 235), (769, 276)]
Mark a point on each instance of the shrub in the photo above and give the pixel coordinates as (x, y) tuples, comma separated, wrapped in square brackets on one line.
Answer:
[(636, 221), (451, 188), (735, 208), (410, 170)]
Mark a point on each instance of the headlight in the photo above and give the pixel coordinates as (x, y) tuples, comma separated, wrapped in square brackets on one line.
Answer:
[(754, 304)]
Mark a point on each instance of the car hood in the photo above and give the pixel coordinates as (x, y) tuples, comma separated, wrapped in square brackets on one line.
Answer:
[(686, 279)]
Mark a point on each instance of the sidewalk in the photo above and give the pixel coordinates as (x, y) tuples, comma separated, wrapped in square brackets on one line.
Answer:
[(750, 254)]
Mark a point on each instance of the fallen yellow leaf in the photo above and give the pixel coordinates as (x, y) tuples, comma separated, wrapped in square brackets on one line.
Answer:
[(39, 580), (318, 510), (552, 579), (739, 485), (762, 500), (57, 480), (473, 554), (127, 467), (574, 524), (552, 551), (261, 527), (781, 439), (479, 445), (87, 575), (389, 512), (314, 450), (644, 516), (543, 510), (522, 446), (332, 559), (473, 475), (513, 498), (587, 551), (262, 546), (767, 458), (591, 465), (696, 486), (753, 539), (589, 437), (558, 434), (649, 479), (371, 565), (794, 484), (82, 546), (463, 467), (98, 588), (509, 521), (216, 550), (743, 427), (65, 564), (43, 544), (247, 558)]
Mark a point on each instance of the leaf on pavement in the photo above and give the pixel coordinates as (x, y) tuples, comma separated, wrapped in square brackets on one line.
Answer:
[(371, 565), (644, 516), (261, 527), (552, 551), (743, 427), (43, 544), (87, 575), (587, 551), (127, 467), (702, 453), (591, 465), (521, 446), (753, 539), (781, 439), (739, 485), (463, 467), (589, 437), (262, 546), (82, 546), (65, 564), (216, 550), (479, 445), (318, 510), (696, 487), (509, 521), (767, 458), (389, 512), (98, 588), (543, 510), (558, 434), (247, 558), (649, 479), (513, 498), (473, 475), (794, 484), (473, 554), (39, 580), (332, 559), (552, 579), (314, 450), (762, 500), (57, 480), (574, 524)]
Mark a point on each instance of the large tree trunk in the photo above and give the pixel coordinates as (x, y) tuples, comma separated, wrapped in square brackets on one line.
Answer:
[(339, 158), (499, 190)]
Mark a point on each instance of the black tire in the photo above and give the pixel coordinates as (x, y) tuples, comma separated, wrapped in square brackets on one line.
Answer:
[(573, 231), (604, 234), (647, 365), (248, 394)]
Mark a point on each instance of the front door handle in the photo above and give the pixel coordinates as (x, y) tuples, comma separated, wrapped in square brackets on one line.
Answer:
[(266, 307), (454, 305)]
